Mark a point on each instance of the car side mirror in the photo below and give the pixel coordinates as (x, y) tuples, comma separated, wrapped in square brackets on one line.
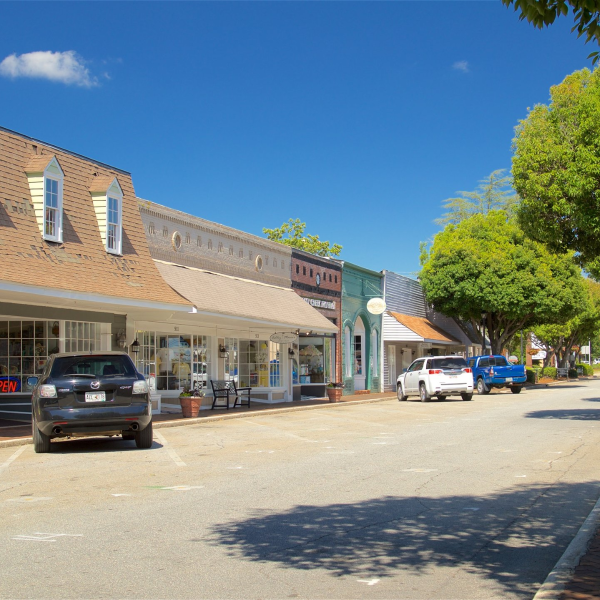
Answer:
[(32, 381)]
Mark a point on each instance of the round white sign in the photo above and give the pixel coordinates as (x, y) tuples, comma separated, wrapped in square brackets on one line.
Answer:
[(376, 306), (283, 337)]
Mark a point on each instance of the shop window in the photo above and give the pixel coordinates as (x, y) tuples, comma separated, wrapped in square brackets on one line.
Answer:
[(166, 360), (252, 363), (82, 336), (24, 350), (316, 359)]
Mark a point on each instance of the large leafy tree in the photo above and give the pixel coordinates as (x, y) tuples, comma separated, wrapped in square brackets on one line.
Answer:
[(486, 264), (559, 339), (292, 234), (556, 169), (493, 193), (541, 13)]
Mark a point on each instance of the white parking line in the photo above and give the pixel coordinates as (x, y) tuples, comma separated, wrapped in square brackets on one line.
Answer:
[(169, 450), (14, 456)]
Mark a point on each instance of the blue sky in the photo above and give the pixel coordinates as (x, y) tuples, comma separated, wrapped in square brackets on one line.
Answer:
[(359, 118)]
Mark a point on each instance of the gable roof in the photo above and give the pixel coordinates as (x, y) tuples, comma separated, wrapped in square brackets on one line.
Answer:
[(424, 328), (80, 263)]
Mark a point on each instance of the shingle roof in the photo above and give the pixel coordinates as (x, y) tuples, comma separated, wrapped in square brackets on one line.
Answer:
[(424, 328), (81, 263), (235, 297)]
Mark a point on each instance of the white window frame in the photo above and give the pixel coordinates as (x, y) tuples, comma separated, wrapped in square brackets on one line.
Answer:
[(57, 210), (118, 237)]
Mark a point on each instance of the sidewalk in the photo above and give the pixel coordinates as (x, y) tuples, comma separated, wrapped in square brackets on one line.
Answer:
[(20, 434)]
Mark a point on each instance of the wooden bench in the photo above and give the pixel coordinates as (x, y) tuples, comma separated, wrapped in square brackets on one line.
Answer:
[(224, 390), (562, 372)]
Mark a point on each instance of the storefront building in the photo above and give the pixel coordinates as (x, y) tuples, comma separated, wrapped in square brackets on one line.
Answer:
[(411, 329), (75, 264), (248, 320), (318, 358), (361, 336)]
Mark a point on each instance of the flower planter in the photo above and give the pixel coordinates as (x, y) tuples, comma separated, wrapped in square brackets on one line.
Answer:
[(190, 406), (334, 394)]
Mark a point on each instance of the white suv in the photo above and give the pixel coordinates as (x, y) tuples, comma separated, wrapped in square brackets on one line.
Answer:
[(438, 376)]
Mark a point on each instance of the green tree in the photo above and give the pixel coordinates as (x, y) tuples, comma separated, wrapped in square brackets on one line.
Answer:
[(486, 264), (541, 13), (296, 238), (559, 339), (556, 169), (493, 193)]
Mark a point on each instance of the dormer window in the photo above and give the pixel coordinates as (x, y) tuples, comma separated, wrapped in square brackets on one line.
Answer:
[(113, 225), (107, 197), (45, 178)]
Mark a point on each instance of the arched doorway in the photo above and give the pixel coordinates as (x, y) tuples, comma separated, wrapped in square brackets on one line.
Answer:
[(360, 355)]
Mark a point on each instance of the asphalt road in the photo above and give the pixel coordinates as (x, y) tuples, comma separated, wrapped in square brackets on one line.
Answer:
[(385, 500)]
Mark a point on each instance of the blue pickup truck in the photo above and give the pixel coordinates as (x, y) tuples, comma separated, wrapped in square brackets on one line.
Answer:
[(495, 371)]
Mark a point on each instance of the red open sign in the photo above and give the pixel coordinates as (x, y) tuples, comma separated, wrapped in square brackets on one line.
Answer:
[(10, 385)]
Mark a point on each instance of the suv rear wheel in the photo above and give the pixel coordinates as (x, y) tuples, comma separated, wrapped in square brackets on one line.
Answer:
[(143, 438), (41, 441)]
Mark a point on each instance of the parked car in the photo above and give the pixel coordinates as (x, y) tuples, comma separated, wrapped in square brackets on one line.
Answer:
[(495, 371), (90, 394), (438, 376)]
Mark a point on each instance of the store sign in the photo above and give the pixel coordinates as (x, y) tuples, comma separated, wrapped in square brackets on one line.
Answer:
[(10, 385), (283, 337), (329, 305)]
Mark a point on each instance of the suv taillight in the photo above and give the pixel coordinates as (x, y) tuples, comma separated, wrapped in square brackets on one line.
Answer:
[(435, 371)]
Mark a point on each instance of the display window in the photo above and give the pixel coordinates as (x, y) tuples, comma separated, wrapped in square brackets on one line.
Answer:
[(173, 361), (252, 363), (24, 350), (316, 359)]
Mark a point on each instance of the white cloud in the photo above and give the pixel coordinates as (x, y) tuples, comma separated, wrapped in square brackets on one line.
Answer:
[(461, 65), (64, 67)]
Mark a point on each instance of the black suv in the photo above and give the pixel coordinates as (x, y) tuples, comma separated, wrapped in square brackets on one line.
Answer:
[(89, 394)]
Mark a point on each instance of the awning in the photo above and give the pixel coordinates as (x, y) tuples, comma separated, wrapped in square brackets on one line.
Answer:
[(422, 330), (245, 300)]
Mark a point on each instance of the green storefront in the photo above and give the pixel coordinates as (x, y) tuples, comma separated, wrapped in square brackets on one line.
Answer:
[(361, 329)]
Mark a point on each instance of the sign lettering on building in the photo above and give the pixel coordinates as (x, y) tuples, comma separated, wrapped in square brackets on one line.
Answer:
[(329, 305)]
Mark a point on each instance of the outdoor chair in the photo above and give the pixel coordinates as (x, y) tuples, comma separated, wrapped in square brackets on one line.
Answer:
[(224, 390)]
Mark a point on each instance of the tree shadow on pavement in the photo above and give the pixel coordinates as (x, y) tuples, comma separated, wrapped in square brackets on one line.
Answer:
[(513, 538), (575, 414)]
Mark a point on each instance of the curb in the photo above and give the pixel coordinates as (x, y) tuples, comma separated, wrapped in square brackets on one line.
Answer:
[(563, 570), (226, 417)]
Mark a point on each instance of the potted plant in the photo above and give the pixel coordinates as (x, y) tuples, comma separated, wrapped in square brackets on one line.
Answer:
[(334, 391), (190, 400)]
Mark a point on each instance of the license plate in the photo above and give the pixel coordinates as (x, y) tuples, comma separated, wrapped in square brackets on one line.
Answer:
[(509, 380), (95, 396)]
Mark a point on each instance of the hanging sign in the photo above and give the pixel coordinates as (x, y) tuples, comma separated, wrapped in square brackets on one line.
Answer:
[(376, 306), (283, 337)]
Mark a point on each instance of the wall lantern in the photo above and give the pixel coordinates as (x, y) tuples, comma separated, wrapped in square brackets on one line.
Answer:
[(223, 351), (121, 339), (135, 347), (55, 329), (291, 353)]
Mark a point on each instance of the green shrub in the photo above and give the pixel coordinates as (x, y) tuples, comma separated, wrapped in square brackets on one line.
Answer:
[(549, 372), (588, 370), (573, 374), (532, 375)]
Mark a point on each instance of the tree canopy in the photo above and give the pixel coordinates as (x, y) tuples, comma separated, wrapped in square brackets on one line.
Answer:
[(486, 264), (541, 13), (493, 193), (560, 338), (294, 230), (556, 169)]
